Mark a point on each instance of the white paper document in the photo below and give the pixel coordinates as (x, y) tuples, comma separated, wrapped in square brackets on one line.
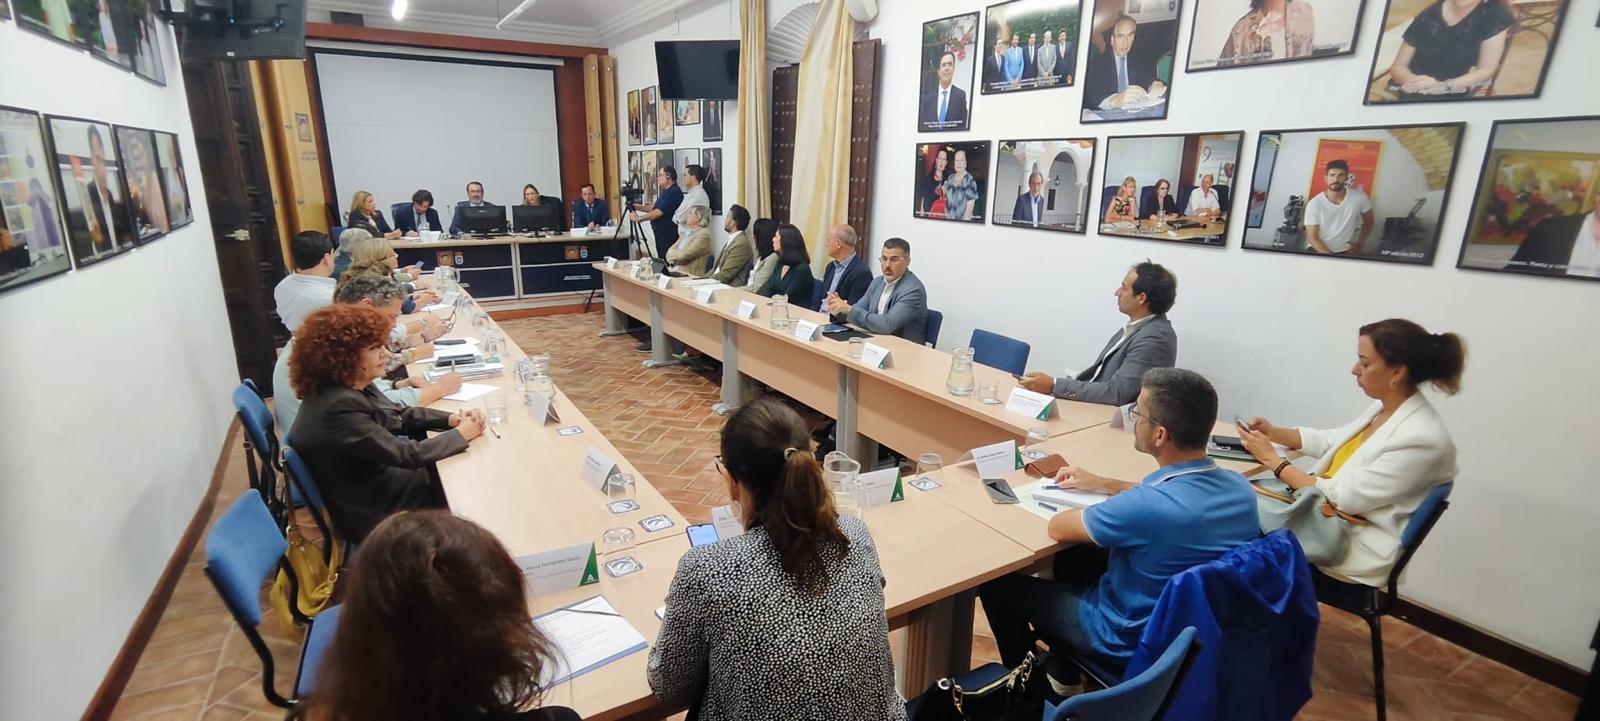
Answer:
[(441, 305), (1039, 494), (588, 634), (470, 391)]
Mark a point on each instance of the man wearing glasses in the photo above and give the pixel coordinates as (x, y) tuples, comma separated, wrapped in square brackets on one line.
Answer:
[(895, 303), (1186, 513)]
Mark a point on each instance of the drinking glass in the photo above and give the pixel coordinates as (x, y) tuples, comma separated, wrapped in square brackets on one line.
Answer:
[(542, 385), (620, 488), (856, 346), (616, 541), (541, 363), (989, 392), (928, 463), (494, 344), (494, 408), (1038, 434), (842, 473), (525, 373), (780, 312)]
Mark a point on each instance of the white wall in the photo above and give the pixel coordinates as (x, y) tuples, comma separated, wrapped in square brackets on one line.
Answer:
[(1277, 332), (113, 405), (636, 69)]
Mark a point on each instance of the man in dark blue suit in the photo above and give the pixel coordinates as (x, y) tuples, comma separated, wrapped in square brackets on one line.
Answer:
[(590, 212), (1030, 205), (420, 213), (847, 277), (945, 107)]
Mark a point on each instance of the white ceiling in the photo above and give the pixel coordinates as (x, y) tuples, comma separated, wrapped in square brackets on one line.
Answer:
[(574, 22)]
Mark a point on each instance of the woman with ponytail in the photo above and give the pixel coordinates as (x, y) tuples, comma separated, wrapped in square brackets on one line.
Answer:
[(785, 621), (1382, 464)]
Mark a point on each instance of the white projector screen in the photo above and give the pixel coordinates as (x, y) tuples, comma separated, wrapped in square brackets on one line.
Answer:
[(396, 124)]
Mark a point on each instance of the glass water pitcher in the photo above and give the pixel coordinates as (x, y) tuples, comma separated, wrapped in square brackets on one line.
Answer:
[(960, 381)]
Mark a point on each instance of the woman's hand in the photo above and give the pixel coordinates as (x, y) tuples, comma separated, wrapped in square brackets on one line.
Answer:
[(1260, 446), (391, 235), (1262, 425)]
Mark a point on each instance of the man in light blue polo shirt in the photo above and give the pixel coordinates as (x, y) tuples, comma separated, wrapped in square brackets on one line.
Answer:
[(1186, 513)]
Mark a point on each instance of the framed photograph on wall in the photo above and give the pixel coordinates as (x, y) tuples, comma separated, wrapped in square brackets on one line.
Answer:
[(1044, 184), (686, 112), (682, 158), (1170, 187), (1242, 33), (1133, 46), (664, 121), (1448, 50), (711, 159), (647, 174), (711, 115), (145, 46), (88, 180), (5, 10), (635, 131), (174, 184), (633, 177), (648, 114), (1535, 207), (32, 238), (667, 159), (1370, 193), (1030, 44), (949, 60), (952, 181), (141, 182), (50, 19)]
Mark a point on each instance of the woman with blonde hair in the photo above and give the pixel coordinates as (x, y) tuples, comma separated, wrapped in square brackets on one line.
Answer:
[(364, 214), (1124, 205)]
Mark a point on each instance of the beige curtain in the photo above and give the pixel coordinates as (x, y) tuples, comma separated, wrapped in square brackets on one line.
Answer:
[(821, 195), (755, 111)]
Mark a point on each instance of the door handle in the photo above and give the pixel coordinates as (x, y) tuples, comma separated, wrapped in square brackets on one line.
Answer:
[(242, 235)]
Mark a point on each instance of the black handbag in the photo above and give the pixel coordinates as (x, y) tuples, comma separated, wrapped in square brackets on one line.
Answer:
[(1017, 695)]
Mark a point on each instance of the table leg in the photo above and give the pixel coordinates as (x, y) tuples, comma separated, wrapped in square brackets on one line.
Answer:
[(616, 322), (938, 643), (660, 354), (846, 439), (732, 379)]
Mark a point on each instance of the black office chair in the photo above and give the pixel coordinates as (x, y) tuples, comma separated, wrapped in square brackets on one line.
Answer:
[(1372, 604)]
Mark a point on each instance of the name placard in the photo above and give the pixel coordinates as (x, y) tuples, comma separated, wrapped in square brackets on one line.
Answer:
[(1038, 406), (726, 522), (611, 263), (997, 460), (543, 408), (747, 310), (664, 282), (598, 468), (703, 295), (882, 486), (560, 569), (874, 355), (805, 330), (1122, 417)]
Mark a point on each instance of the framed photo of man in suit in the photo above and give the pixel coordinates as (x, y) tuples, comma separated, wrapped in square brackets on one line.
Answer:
[(1535, 208), (1044, 184), (88, 177), (711, 113), (1132, 57), (1030, 44), (949, 60)]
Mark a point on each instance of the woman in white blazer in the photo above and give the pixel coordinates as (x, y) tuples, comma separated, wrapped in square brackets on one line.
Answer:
[(1381, 465)]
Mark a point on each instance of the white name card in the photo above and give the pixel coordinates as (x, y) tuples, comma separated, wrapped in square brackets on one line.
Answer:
[(1038, 406), (747, 310), (703, 295), (805, 330), (997, 460), (882, 486), (874, 355), (727, 523), (598, 468), (543, 408), (1122, 418), (560, 569), (664, 282), (611, 263)]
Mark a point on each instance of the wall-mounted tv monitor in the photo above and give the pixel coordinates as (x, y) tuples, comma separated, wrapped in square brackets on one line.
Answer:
[(245, 29), (698, 69)]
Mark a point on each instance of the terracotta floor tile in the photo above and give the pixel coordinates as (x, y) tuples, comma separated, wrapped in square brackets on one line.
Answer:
[(1541, 700), (175, 671), (1495, 679), (139, 705), (171, 648), (224, 713), (1436, 652), (189, 712)]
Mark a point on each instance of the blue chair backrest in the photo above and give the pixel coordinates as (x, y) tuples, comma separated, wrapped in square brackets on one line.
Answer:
[(998, 351), (318, 641), (301, 480), (935, 322), (1106, 195), (394, 209), (1223, 196), (242, 549), (1427, 514), (256, 418), (1140, 697)]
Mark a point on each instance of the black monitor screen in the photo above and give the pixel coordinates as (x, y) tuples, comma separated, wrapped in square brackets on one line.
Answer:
[(698, 69), (482, 219), (262, 29), (525, 218)]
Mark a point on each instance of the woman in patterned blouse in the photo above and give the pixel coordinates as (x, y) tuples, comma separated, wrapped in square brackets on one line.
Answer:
[(787, 620)]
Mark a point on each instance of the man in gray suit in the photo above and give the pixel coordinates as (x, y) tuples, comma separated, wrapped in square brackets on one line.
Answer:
[(1047, 60), (1147, 341), (895, 303)]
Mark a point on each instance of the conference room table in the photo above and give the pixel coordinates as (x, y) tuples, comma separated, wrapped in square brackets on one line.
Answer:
[(905, 406), (1207, 230)]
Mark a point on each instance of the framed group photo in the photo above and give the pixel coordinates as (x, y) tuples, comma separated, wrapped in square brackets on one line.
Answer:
[(949, 62), (1044, 184), (1444, 50), (88, 178), (1133, 46), (125, 33), (32, 239), (1534, 211), (1030, 44), (952, 181), (1372, 193), (1176, 188), (1241, 33)]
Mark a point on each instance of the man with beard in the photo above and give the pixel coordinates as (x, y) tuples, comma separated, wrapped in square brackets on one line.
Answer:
[(1335, 216)]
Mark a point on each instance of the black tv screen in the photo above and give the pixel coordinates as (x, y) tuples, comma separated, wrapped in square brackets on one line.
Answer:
[(698, 69), (245, 29)]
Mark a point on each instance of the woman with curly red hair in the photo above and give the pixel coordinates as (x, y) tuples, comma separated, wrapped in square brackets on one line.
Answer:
[(369, 455)]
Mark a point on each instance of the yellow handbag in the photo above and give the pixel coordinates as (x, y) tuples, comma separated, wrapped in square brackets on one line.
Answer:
[(316, 578)]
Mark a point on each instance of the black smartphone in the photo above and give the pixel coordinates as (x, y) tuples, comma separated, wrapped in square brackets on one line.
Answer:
[(1000, 491), (702, 534), (450, 341)]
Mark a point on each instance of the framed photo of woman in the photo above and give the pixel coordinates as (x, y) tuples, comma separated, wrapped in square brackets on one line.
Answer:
[(952, 181), (1243, 33), (1451, 50)]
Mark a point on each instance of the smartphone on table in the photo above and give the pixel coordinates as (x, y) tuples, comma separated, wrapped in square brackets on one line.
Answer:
[(1000, 491), (702, 534)]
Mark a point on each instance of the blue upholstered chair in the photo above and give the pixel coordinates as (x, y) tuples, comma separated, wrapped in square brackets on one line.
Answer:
[(935, 323), (260, 444), (1141, 698), (998, 351)]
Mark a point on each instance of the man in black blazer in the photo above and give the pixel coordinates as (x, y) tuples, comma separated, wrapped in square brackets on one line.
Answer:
[(406, 219), (1111, 73), (847, 277), (1030, 205), (1146, 341), (1548, 247), (994, 66), (945, 108), (474, 200), (1030, 58)]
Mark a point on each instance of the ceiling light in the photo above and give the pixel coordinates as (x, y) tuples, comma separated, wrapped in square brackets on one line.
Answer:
[(398, 9), (524, 5)]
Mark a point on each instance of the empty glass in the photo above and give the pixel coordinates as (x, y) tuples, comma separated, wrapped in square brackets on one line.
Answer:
[(493, 344), (780, 312), (1038, 434), (842, 474), (615, 541), (540, 384), (960, 381), (620, 488), (989, 392), (856, 346), (541, 363), (929, 463), (494, 408), (525, 372)]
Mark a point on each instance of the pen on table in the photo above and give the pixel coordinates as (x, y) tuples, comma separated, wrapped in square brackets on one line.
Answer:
[(1048, 507), (495, 432)]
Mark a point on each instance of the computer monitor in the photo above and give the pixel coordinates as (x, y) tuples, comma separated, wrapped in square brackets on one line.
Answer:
[(482, 219), (528, 218)]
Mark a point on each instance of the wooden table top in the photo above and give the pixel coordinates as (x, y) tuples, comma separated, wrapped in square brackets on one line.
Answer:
[(465, 241)]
